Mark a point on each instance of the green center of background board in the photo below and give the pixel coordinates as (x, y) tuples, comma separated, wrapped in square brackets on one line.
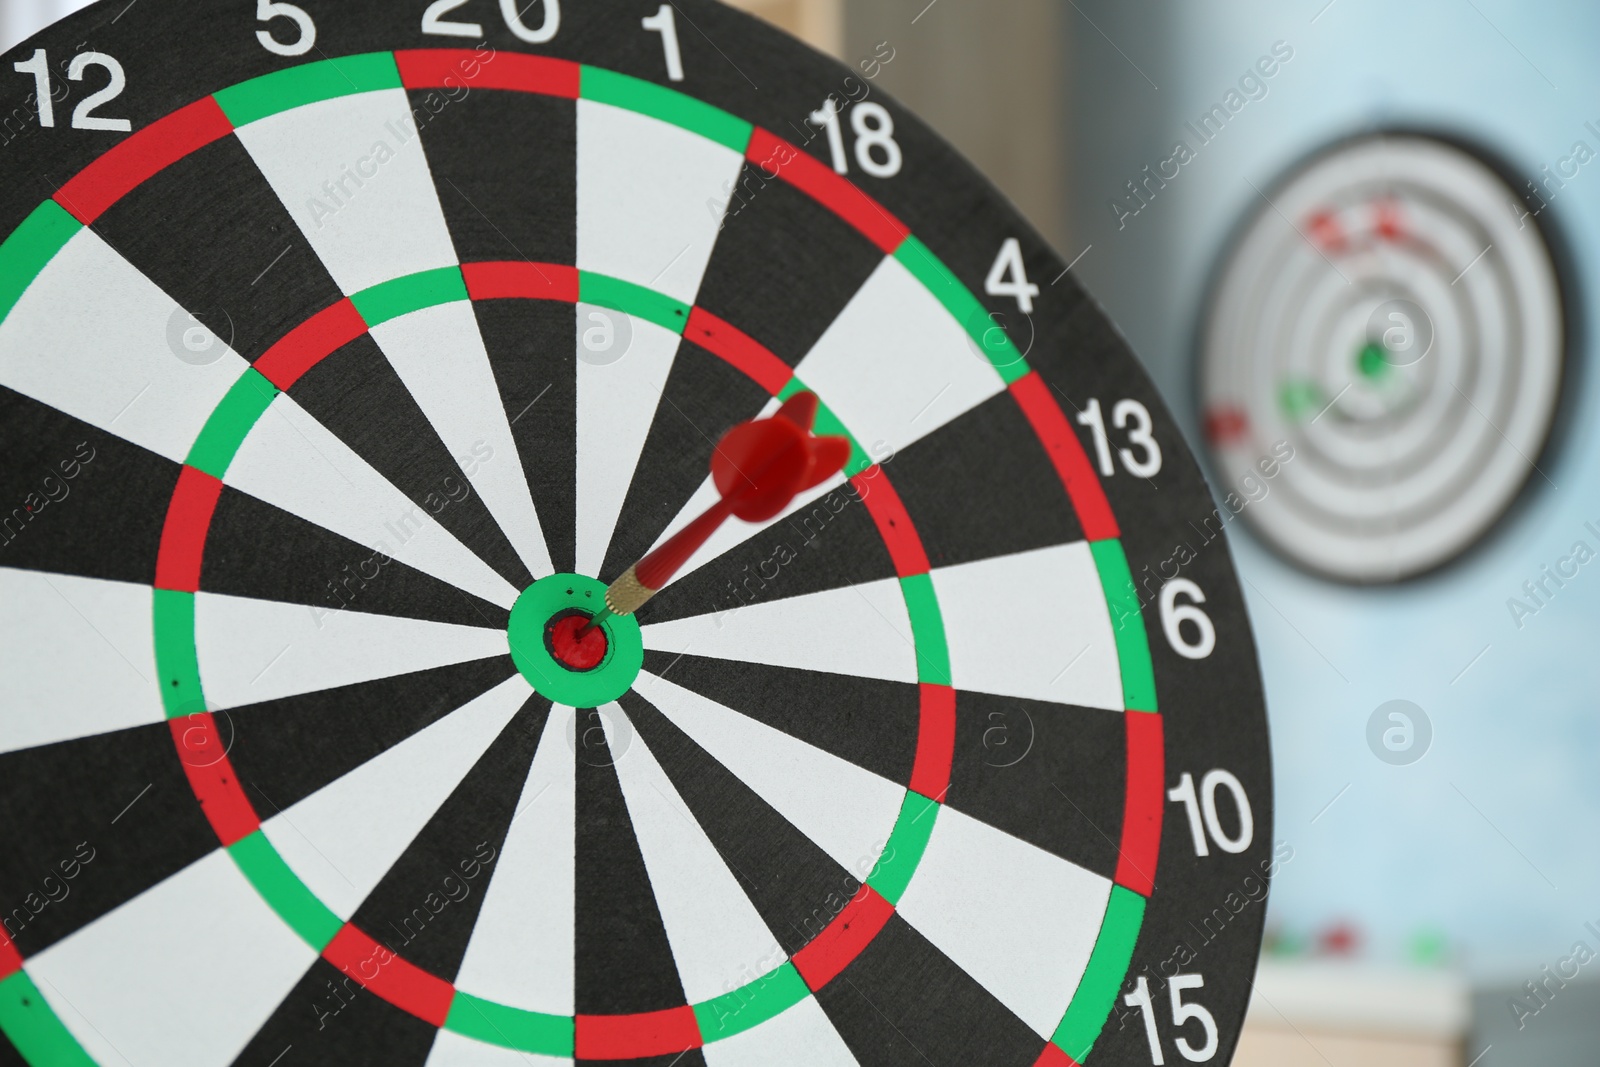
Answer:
[(543, 601), (1372, 361)]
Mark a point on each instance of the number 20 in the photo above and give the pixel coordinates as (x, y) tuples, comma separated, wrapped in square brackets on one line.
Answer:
[(434, 21)]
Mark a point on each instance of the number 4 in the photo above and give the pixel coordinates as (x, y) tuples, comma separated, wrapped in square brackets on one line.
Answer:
[(1181, 1013), (1008, 277)]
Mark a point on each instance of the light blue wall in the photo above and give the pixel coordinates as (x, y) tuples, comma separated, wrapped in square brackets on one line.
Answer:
[(1494, 837), (21, 19)]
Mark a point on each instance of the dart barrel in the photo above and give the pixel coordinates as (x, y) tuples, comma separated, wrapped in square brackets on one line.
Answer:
[(627, 594)]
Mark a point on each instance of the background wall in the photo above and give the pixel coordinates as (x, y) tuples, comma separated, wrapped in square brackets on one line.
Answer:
[(20, 19), (988, 76), (1474, 846)]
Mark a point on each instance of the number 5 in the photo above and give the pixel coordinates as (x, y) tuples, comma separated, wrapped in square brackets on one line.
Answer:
[(1182, 1013), (267, 10)]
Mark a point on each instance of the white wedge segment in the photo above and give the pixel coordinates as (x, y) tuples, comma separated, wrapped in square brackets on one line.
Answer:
[(343, 838), (98, 340), (439, 355), (1056, 644), (185, 972), (511, 960), (451, 1049), (352, 174), (846, 810), (616, 404), (650, 198), (895, 365), (801, 1035), (1017, 919), (112, 681), (256, 650), (719, 941), (861, 630), (291, 461)]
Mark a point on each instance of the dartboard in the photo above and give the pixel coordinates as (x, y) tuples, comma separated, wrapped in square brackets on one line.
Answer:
[(350, 352), (1390, 320)]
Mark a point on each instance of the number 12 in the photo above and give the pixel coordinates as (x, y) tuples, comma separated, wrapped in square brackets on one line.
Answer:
[(83, 116)]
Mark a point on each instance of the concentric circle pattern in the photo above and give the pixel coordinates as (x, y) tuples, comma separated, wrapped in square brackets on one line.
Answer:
[(1393, 317), (287, 695)]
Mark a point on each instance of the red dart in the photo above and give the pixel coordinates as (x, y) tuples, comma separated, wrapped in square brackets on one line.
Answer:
[(759, 467)]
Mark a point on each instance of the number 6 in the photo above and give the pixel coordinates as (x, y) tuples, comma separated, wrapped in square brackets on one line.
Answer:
[(1174, 615), (267, 10)]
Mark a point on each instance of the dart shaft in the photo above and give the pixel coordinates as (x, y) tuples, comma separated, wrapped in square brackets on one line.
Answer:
[(773, 453), (655, 570)]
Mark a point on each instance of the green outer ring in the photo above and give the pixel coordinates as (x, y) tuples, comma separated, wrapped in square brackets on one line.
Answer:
[(589, 689), (41, 236)]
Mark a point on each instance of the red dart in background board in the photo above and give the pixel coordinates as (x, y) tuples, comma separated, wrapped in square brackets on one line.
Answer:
[(759, 467)]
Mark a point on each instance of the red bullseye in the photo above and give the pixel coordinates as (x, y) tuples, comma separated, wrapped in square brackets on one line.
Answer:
[(573, 648)]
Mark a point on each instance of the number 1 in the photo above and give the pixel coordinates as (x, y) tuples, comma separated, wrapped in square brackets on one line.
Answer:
[(1140, 998), (1091, 417), (39, 67), (827, 117), (1184, 793), (666, 24)]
